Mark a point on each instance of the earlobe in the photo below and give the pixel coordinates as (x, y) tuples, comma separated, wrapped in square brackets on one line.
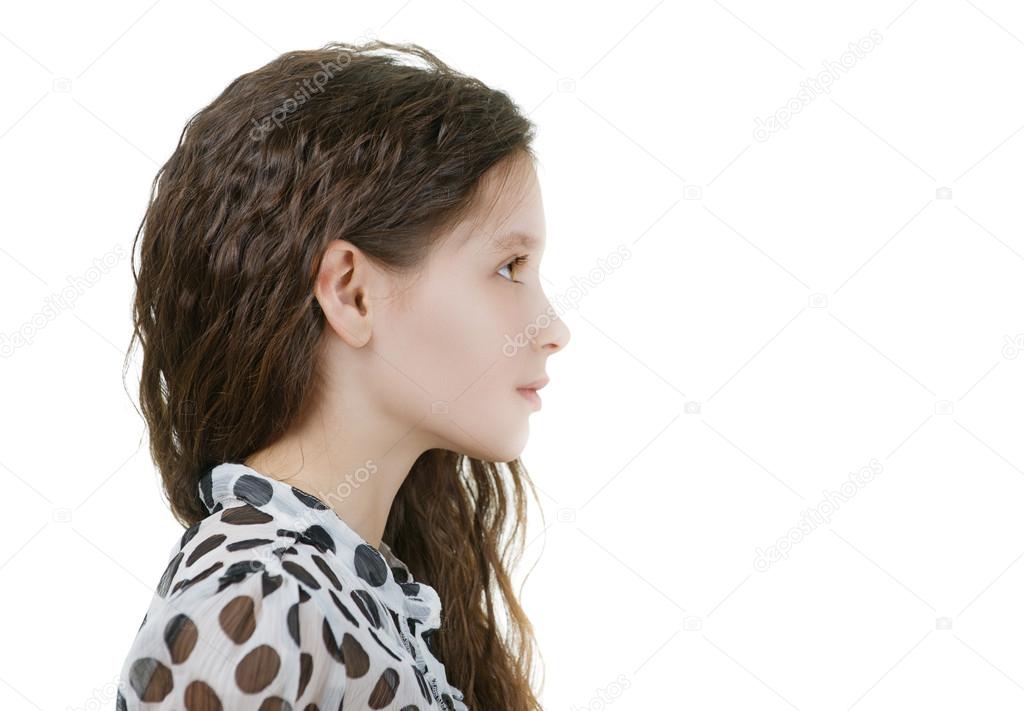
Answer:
[(352, 321)]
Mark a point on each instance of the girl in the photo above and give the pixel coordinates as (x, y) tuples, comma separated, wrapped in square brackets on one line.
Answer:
[(344, 332)]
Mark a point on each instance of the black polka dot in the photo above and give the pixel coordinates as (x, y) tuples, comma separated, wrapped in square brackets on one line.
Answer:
[(256, 490), (257, 669), (366, 604), (180, 636), (189, 534), (305, 672), (205, 547), (237, 572), (325, 568), (293, 623), (245, 515), (384, 690), (303, 575), (189, 582), (344, 610), (422, 683), (238, 619), (370, 566), (357, 661), (169, 572), (309, 500), (200, 696), (331, 643), (318, 537), (430, 641), (248, 543), (151, 680), (271, 583), (385, 647)]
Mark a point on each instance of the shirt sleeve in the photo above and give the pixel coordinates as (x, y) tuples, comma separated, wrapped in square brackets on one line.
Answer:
[(240, 639)]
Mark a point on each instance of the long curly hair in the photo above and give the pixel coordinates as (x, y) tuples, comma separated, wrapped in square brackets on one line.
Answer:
[(346, 141)]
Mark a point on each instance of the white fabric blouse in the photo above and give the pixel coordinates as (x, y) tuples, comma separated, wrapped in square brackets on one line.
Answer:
[(274, 602)]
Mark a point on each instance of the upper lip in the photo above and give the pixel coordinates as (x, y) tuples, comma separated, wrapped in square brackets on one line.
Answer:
[(536, 384)]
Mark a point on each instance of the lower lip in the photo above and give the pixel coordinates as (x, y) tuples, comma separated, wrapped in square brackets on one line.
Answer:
[(530, 395)]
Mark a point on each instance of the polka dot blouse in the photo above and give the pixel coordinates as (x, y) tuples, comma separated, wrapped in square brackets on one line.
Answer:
[(274, 602)]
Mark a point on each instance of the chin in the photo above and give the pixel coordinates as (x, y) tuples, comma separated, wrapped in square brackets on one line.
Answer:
[(503, 445)]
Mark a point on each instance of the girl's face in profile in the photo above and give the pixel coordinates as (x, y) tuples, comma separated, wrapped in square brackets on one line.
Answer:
[(472, 328)]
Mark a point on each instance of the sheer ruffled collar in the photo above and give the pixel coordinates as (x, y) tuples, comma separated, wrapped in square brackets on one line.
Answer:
[(229, 485)]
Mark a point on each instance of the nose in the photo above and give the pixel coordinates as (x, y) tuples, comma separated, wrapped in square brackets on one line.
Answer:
[(554, 337)]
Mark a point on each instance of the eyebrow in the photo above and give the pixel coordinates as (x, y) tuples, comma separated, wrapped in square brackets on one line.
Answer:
[(514, 239)]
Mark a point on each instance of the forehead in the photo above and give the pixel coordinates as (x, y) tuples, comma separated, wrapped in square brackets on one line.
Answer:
[(515, 223), (513, 239), (507, 214)]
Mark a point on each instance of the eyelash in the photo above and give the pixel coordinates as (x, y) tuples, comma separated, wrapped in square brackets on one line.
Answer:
[(516, 262)]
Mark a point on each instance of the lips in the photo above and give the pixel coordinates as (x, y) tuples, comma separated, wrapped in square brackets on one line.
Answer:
[(535, 385), (531, 396), (529, 391)]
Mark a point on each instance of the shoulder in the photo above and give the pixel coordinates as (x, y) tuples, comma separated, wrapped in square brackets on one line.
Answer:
[(230, 541), (229, 626)]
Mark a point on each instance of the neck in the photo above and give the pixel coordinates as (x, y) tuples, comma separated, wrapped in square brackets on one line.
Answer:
[(357, 471)]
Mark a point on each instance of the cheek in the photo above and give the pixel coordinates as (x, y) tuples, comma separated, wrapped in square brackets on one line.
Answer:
[(449, 341), (446, 355)]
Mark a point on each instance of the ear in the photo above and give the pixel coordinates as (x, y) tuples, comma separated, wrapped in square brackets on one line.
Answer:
[(341, 289)]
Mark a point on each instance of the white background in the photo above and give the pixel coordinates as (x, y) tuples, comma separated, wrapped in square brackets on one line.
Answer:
[(845, 293)]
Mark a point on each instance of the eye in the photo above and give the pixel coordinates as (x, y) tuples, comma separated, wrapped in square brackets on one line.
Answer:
[(515, 264)]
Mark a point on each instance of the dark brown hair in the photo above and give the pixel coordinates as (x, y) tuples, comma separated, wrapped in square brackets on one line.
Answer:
[(347, 141)]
